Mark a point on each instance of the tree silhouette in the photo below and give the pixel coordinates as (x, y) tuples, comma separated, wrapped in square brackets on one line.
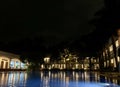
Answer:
[(107, 22)]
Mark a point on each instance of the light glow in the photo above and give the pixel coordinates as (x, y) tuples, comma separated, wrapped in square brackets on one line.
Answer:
[(47, 60), (117, 43), (68, 59), (118, 58), (112, 61), (111, 48)]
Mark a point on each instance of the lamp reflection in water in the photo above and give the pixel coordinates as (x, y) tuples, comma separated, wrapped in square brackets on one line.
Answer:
[(46, 82), (12, 79), (3, 78), (55, 79)]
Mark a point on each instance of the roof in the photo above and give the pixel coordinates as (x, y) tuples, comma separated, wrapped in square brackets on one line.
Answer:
[(10, 55)]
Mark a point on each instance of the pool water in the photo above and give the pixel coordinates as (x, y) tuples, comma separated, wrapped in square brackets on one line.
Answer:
[(56, 79)]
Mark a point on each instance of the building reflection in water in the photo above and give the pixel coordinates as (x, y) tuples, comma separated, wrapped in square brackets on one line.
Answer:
[(12, 79), (51, 79), (65, 78)]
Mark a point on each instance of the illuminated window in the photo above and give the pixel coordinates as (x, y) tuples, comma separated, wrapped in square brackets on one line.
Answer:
[(117, 43), (86, 66), (42, 66), (64, 66), (23, 66), (76, 66), (118, 58), (67, 59), (112, 61), (111, 48), (82, 65), (107, 62), (64, 60), (87, 57), (106, 51), (12, 64), (97, 59), (94, 60), (96, 66), (103, 54), (47, 60)]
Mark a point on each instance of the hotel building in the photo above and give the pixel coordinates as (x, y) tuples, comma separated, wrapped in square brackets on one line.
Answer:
[(109, 56), (73, 63), (10, 61)]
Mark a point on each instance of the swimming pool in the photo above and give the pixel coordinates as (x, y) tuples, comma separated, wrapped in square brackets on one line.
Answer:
[(56, 79)]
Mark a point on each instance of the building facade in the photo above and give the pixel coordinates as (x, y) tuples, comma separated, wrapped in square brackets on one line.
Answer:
[(11, 61), (109, 56), (72, 63)]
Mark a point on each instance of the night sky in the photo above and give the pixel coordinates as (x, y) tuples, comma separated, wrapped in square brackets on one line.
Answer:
[(54, 21)]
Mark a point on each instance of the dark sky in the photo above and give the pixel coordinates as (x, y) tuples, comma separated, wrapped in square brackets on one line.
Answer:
[(54, 20)]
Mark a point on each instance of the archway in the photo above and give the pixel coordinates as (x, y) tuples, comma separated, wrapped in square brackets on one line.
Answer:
[(2, 64), (6, 65)]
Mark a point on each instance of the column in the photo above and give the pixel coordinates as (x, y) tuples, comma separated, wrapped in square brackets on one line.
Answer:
[(3, 65), (14, 64), (0, 63), (20, 64), (9, 63)]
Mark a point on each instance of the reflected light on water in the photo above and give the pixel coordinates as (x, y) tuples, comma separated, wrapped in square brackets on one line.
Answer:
[(55, 79), (12, 79)]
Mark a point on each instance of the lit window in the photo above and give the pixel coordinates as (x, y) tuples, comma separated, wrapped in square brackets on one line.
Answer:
[(118, 58), (87, 57), (106, 51), (94, 60), (111, 48), (68, 59), (47, 60), (64, 60), (104, 54), (112, 61), (82, 65), (76, 66), (117, 43), (42, 66), (97, 59), (104, 64), (107, 62), (64, 66)]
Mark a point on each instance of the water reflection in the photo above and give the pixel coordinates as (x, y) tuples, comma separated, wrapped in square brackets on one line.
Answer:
[(13, 79), (55, 79)]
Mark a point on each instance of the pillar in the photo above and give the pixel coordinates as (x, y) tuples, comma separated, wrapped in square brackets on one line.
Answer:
[(20, 64), (9, 63), (0, 63), (3, 64), (14, 64)]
